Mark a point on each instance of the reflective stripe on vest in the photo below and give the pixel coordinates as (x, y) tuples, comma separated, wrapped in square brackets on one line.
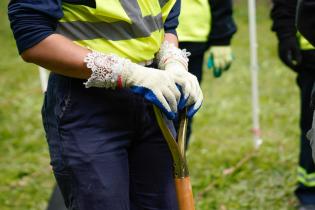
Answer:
[(194, 21), (304, 44), (305, 178), (129, 28), (81, 30), (162, 2)]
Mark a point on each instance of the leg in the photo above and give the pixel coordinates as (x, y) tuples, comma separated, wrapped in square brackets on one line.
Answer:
[(89, 132), (56, 201), (311, 133), (151, 179), (306, 187)]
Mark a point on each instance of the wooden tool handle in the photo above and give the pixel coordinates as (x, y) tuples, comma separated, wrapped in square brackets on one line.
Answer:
[(184, 194)]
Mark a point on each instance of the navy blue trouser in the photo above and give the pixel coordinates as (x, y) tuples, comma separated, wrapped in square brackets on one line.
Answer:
[(107, 151), (306, 191), (197, 50), (56, 201)]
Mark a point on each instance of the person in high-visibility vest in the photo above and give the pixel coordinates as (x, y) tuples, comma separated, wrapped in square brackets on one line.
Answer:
[(106, 149), (207, 25), (305, 20), (298, 55)]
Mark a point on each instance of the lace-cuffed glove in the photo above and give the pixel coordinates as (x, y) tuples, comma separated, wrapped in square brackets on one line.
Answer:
[(175, 62), (111, 71), (220, 59)]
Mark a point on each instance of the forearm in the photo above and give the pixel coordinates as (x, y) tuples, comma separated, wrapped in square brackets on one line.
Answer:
[(60, 55), (171, 38), (223, 26), (171, 21), (283, 16)]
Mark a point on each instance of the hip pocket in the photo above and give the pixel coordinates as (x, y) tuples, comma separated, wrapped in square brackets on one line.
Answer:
[(60, 95)]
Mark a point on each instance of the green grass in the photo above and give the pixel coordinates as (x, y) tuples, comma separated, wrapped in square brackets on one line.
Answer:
[(221, 135), (25, 177)]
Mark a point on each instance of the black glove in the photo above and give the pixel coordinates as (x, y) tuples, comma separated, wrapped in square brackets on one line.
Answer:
[(290, 53)]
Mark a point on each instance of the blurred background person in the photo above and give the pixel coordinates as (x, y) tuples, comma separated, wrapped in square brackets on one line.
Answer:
[(306, 19), (299, 55), (206, 25), (305, 22)]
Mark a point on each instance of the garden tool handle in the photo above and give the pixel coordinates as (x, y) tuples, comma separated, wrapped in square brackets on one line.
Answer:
[(184, 194), (181, 175), (183, 186)]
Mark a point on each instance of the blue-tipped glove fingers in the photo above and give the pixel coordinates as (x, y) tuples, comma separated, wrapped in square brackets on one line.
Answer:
[(192, 96), (155, 85), (175, 62)]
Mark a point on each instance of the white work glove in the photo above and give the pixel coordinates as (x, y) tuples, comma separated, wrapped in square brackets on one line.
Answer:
[(220, 59), (111, 71), (175, 62)]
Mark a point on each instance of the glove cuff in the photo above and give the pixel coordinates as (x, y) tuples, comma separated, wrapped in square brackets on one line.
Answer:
[(106, 70), (169, 53)]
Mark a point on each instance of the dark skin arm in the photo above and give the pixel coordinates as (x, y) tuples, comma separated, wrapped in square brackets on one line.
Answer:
[(62, 56), (59, 55)]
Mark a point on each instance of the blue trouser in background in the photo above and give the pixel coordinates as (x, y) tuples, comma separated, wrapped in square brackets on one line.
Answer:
[(306, 187), (197, 50), (106, 148)]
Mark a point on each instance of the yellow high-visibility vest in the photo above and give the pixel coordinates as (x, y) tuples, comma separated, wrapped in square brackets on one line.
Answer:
[(194, 21), (304, 44), (132, 29), (307, 179)]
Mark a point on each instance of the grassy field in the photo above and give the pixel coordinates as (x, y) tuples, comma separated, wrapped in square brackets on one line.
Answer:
[(221, 138)]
